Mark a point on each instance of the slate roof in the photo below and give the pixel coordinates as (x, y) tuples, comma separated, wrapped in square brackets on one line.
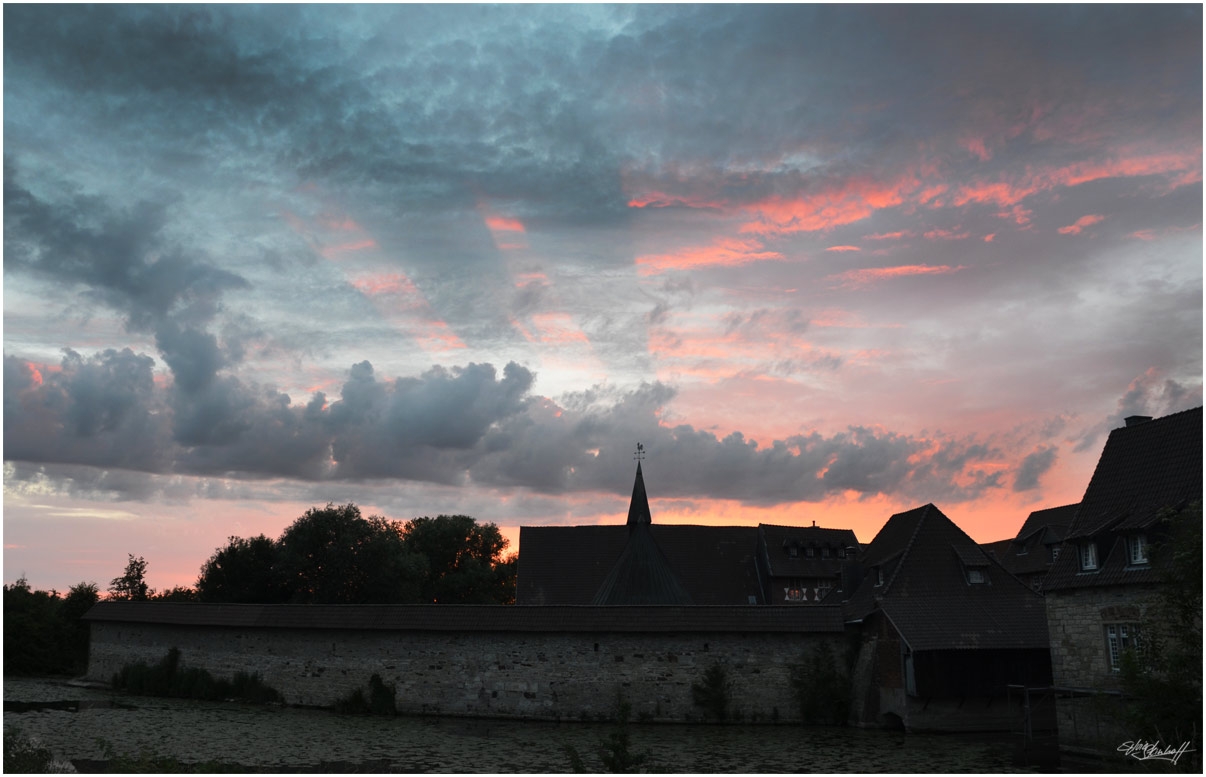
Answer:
[(775, 542), (471, 617), (569, 564), (641, 575), (1029, 553), (926, 594), (1143, 469), (638, 506)]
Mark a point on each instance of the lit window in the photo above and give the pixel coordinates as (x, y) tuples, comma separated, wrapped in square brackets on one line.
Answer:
[(975, 576), (1120, 637), (1138, 549), (793, 594), (1088, 556)]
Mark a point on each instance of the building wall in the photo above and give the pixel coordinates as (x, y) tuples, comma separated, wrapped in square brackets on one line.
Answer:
[(567, 676), (1076, 620)]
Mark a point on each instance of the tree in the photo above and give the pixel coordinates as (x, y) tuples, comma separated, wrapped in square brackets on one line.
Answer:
[(132, 585), (464, 560), (179, 593), (332, 554), (246, 570), (78, 601)]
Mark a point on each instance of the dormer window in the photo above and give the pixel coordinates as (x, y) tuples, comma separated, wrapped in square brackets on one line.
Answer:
[(1088, 557), (879, 576), (975, 576), (825, 552), (1137, 549), (1054, 553), (841, 553), (1022, 550), (810, 551), (793, 551)]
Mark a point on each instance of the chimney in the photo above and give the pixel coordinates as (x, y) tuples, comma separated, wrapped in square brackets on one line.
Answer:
[(1135, 420)]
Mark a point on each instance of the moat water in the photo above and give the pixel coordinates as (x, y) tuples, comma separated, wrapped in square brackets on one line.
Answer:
[(71, 721)]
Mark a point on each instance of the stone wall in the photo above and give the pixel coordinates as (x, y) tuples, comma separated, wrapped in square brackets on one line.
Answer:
[(567, 676), (1076, 620)]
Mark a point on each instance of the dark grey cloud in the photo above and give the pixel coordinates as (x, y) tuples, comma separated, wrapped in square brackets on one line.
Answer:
[(1033, 467), (451, 426), (1150, 395)]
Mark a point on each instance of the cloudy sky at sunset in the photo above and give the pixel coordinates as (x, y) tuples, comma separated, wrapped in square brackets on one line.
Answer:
[(825, 263)]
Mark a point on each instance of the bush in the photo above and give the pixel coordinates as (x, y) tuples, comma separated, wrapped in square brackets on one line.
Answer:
[(822, 688), (168, 678), (713, 694), (25, 755), (381, 700)]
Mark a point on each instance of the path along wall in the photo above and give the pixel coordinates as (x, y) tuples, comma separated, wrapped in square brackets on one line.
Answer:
[(557, 663)]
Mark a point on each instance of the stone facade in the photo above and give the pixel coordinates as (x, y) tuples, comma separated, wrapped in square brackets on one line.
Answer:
[(542, 675), (1077, 618)]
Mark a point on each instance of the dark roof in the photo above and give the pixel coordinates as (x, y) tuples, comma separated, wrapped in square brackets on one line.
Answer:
[(638, 506), (470, 617), (568, 564), (926, 593), (641, 575), (1051, 518), (1143, 469), (777, 539), (1029, 553)]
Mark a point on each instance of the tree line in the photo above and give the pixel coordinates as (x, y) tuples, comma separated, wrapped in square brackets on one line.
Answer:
[(330, 555)]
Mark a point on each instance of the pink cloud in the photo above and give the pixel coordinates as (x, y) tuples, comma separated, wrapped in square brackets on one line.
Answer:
[(724, 252), (854, 278), (1143, 234), (989, 238), (843, 248), (1081, 223), (976, 146), (332, 252), (500, 224), (853, 200), (946, 234), (889, 235)]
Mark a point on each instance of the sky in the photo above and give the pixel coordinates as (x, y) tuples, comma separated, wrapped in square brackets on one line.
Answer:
[(825, 263)]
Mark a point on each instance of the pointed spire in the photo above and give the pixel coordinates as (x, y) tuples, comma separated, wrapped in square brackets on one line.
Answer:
[(638, 508)]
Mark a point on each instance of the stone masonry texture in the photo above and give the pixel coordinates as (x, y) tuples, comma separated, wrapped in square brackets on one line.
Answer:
[(553, 676)]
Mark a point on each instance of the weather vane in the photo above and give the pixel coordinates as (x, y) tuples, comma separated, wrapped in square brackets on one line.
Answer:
[(640, 452)]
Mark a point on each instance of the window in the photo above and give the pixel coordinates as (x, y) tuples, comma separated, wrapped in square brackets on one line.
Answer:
[(1137, 546), (1036, 582), (841, 553), (810, 552), (793, 551), (1054, 553), (975, 576), (879, 576), (1120, 637), (823, 589), (825, 552), (1022, 551), (794, 592), (1088, 556)]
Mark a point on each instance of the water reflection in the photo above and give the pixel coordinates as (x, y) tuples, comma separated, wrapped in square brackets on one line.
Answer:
[(292, 739)]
